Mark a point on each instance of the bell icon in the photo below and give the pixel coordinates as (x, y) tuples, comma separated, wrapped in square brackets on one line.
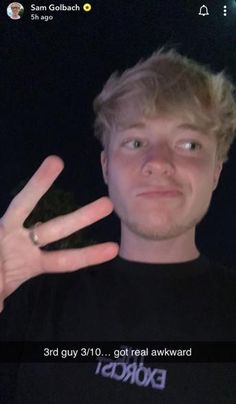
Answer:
[(203, 11)]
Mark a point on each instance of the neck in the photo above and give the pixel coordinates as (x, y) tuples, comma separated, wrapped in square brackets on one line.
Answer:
[(180, 249)]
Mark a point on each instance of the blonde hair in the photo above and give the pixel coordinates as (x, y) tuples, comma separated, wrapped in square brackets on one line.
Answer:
[(15, 4), (168, 83)]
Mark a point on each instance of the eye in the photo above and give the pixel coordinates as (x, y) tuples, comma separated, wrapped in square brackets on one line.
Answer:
[(190, 146), (133, 143)]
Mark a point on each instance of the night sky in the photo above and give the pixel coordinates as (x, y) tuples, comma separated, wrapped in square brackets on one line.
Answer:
[(51, 72)]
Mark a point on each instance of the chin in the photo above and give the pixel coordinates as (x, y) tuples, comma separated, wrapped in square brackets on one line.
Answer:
[(158, 232), (161, 230)]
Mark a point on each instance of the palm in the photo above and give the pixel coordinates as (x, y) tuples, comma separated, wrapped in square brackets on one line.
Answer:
[(20, 259)]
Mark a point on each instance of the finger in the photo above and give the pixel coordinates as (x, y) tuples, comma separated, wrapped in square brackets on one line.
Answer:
[(70, 260), (1, 274), (24, 202), (1, 290), (63, 226)]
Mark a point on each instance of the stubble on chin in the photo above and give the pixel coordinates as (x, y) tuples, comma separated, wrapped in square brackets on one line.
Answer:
[(160, 231)]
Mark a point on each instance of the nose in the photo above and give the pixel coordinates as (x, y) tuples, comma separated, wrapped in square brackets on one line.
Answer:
[(159, 160)]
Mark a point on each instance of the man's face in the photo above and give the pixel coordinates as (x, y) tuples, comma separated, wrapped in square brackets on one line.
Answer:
[(160, 174), (15, 10)]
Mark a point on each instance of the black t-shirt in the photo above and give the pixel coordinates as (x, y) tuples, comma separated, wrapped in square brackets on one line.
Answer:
[(129, 302)]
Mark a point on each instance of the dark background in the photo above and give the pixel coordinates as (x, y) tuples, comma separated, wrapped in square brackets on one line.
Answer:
[(51, 72)]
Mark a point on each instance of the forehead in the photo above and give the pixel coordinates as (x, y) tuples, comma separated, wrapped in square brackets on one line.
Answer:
[(136, 115), (161, 124), (128, 114)]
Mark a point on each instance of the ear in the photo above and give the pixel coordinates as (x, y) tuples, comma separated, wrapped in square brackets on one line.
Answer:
[(104, 164), (218, 169)]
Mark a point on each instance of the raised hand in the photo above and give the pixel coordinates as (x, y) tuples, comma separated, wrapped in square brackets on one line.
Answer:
[(20, 256)]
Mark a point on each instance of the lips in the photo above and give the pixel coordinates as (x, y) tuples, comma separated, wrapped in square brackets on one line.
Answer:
[(160, 193)]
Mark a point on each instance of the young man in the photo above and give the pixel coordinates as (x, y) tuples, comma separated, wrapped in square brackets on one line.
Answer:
[(166, 126), (15, 9)]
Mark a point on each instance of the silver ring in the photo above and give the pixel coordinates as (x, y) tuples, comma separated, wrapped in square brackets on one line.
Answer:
[(33, 235)]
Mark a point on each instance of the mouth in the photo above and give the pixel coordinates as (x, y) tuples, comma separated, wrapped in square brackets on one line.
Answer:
[(160, 193)]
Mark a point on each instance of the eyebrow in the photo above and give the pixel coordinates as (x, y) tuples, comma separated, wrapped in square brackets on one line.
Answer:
[(135, 125), (190, 126)]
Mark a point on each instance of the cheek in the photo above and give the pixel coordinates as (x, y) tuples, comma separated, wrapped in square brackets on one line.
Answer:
[(120, 180), (202, 179), (117, 179), (120, 170), (194, 176)]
